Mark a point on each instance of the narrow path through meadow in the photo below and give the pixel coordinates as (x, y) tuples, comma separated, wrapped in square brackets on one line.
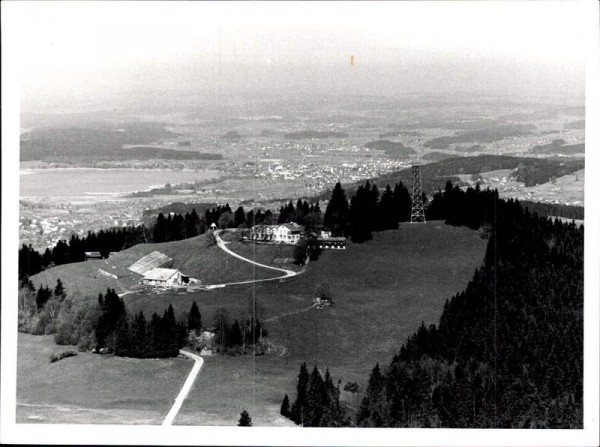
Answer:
[(187, 386)]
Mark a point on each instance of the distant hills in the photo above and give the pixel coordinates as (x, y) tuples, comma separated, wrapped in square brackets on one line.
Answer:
[(400, 133), (103, 142), (484, 135), (392, 148), (437, 156), (579, 124), (558, 147), (304, 134), (231, 135)]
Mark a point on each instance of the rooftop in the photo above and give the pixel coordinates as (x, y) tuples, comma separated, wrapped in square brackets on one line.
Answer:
[(158, 274)]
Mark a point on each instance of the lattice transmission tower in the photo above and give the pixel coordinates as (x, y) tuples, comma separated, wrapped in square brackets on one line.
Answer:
[(417, 213)]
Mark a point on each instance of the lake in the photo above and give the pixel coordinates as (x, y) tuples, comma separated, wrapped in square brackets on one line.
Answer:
[(77, 182)]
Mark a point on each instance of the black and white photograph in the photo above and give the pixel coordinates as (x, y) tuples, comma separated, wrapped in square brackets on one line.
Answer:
[(367, 217)]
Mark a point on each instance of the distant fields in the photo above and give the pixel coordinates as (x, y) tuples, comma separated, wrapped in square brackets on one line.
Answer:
[(382, 290)]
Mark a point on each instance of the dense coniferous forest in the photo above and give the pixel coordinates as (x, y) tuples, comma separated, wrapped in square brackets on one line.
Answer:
[(508, 351), (317, 401)]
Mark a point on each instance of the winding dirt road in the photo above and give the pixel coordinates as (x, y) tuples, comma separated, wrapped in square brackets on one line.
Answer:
[(187, 386), (222, 245)]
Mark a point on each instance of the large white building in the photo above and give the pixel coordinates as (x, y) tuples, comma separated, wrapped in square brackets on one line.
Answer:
[(288, 233)]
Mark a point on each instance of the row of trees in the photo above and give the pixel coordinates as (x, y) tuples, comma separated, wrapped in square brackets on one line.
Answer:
[(367, 210), (317, 401), (32, 262), (308, 215)]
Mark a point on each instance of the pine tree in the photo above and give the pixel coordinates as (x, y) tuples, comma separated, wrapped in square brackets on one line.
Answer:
[(370, 414), (59, 290), (315, 399), (42, 297), (245, 419), (362, 214), (387, 215), (402, 203), (139, 337), (298, 408), (194, 319), (285, 407), (221, 324), (123, 345), (160, 229), (337, 212), (239, 217), (235, 335)]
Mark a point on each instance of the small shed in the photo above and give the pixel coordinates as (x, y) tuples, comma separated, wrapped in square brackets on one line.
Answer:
[(92, 255)]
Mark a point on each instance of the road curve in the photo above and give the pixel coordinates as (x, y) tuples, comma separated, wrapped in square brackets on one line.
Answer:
[(222, 245), (185, 389)]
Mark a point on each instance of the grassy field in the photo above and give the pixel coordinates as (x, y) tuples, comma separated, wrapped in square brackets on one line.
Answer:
[(198, 257), (382, 290), (91, 388)]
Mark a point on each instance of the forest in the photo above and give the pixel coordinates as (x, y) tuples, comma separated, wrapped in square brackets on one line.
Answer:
[(508, 350)]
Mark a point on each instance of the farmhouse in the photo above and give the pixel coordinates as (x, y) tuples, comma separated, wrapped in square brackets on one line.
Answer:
[(164, 277), (288, 233)]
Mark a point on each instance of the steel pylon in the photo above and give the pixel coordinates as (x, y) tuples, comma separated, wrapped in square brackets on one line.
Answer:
[(417, 213)]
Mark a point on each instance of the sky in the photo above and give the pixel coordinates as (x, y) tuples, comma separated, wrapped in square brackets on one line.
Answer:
[(84, 53)]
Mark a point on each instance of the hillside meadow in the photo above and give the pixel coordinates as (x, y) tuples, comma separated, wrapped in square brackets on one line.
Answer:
[(198, 257), (382, 291)]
